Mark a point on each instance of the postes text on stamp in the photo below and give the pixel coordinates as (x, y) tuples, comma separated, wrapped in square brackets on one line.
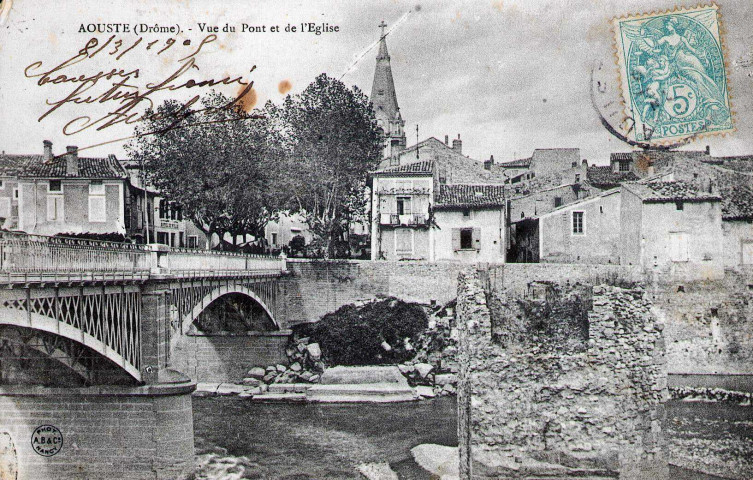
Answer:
[(673, 75)]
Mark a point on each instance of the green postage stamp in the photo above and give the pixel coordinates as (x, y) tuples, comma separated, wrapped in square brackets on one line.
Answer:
[(673, 74)]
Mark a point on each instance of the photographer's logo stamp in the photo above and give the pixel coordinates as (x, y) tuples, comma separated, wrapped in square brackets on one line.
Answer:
[(673, 75), (47, 440)]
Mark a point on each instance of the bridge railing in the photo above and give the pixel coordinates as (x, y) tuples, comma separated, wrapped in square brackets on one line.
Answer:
[(189, 260), (37, 254), (26, 258)]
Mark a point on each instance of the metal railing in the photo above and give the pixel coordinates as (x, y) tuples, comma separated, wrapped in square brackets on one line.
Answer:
[(26, 257), (22, 253), (190, 260)]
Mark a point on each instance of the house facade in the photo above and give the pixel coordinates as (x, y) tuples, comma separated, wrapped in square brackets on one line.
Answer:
[(672, 226), (71, 194)]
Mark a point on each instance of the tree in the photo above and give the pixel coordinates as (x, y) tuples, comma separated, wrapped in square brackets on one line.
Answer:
[(331, 141), (216, 162)]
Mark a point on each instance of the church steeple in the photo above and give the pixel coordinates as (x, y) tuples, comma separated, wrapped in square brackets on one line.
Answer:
[(384, 98)]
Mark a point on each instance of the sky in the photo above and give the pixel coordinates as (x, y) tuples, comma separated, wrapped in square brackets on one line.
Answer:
[(507, 76)]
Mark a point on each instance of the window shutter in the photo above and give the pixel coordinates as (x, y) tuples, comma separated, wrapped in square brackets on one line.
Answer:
[(54, 207), (456, 239), (97, 208), (477, 238)]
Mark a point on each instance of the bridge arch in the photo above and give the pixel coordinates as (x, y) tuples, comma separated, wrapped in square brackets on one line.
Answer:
[(221, 291), (44, 323)]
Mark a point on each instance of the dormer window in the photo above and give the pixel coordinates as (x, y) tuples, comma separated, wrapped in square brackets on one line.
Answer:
[(55, 186)]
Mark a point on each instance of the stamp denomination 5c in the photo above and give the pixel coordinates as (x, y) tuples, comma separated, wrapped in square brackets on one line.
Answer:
[(673, 74)]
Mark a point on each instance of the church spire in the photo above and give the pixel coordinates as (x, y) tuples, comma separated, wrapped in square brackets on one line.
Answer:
[(384, 99)]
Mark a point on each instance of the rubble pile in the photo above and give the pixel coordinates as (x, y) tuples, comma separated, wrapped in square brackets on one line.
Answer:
[(433, 370), (700, 394), (305, 365)]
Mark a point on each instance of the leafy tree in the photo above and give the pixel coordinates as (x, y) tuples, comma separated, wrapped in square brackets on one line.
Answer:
[(331, 141), (216, 162)]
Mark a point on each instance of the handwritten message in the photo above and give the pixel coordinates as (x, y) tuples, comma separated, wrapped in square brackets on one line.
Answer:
[(79, 80)]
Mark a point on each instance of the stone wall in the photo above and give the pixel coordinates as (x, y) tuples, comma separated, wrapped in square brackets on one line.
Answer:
[(709, 324), (108, 432), (227, 358), (315, 288), (534, 403)]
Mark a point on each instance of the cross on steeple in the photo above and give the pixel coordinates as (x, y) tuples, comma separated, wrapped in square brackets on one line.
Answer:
[(382, 26)]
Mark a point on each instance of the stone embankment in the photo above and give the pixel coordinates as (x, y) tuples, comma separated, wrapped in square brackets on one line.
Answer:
[(432, 372)]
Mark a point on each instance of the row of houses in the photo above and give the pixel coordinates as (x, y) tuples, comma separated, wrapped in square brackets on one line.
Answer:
[(47, 194), (678, 210)]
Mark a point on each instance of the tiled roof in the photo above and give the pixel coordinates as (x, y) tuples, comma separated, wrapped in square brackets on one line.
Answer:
[(737, 204), (416, 168), (740, 163), (657, 192), (604, 177), (459, 196), (88, 167), (13, 165), (520, 163)]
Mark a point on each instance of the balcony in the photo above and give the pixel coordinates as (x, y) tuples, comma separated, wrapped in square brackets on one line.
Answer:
[(409, 219), (171, 224)]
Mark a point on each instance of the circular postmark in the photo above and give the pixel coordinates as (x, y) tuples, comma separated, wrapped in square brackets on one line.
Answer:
[(47, 440)]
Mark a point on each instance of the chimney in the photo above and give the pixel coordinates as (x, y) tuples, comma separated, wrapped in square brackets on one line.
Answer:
[(457, 145), (488, 163), (71, 161), (708, 149), (584, 163), (447, 140), (47, 150)]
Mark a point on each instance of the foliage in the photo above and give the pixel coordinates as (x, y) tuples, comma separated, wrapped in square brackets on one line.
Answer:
[(331, 142), (354, 335), (297, 245), (215, 161)]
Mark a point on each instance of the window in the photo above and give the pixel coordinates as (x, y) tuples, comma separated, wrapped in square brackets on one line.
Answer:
[(2, 184), (193, 241), (466, 213), (55, 186), (403, 205), (624, 166), (97, 202), (15, 193), (274, 238), (466, 239), (55, 208), (578, 223), (97, 208), (678, 246), (96, 187), (557, 202), (403, 240), (577, 178), (679, 205)]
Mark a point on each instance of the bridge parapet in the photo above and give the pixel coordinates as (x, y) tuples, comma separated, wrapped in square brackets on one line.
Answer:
[(39, 259)]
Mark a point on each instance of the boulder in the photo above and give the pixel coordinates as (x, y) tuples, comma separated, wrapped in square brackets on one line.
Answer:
[(280, 368), (449, 389), (269, 378), (306, 376), (256, 372), (314, 378), (271, 368), (296, 367), (314, 351), (424, 369), (446, 379), (406, 369), (251, 382)]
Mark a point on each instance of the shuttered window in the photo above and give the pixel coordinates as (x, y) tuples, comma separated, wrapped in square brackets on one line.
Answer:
[(97, 208), (55, 207), (403, 240), (466, 239)]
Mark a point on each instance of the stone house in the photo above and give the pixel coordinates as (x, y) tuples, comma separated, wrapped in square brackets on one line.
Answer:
[(672, 227), (71, 194), (401, 201), (10, 168), (586, 231), (523, 213)]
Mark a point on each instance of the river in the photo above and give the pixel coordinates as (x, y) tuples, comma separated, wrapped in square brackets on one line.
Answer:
[(238, 439)]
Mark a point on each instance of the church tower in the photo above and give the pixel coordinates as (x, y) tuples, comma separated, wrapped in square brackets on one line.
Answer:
[(384, 98)]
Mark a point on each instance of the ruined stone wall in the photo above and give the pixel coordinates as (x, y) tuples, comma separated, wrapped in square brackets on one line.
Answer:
[(534, 403), (709, 325)]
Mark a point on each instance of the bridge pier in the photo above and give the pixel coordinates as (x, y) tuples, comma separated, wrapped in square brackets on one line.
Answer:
[(107, 432)]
